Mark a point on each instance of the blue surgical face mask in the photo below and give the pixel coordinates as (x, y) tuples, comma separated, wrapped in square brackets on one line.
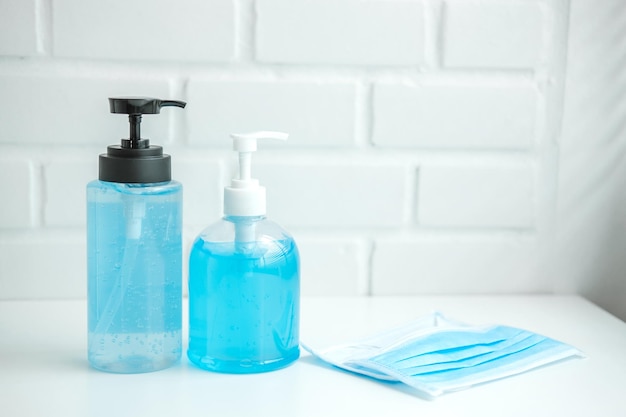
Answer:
[(403, 357), (435, 355)]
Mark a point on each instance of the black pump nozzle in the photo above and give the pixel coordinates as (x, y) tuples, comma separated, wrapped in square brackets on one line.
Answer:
[(134, 107), (141, 105), (135, 161)]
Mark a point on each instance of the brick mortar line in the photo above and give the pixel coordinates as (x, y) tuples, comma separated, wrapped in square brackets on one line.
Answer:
[(251, 71), (433, 26), (245, 27), (76, 234), (363, 115), (330, 156), (43, 27)]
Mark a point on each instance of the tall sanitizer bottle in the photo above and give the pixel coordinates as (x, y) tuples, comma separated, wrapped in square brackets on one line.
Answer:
[(244, 281), (134, 252)]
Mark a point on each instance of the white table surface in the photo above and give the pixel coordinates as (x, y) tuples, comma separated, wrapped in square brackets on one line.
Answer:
[(44, 371)]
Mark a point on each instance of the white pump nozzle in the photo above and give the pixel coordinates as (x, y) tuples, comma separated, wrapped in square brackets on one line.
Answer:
[(246, 142), (245, 197)]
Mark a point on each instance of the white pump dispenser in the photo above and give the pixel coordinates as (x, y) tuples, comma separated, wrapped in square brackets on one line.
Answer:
[(244, 281), (245, 197)]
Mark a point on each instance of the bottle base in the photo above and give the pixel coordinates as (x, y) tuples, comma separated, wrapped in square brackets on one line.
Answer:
[(134, 353), (245, 366), (133, 365)]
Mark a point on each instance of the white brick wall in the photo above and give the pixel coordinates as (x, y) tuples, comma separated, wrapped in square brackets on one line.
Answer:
[(337, 196), (422, 131), (316, 114), (158, 30), (64, 190), (455, 116), (346, 32), (346, 258), (18, 23), (454, 196), (48, 265), (201, 177), (493, 34), (72, 109), (16, 187), (439, 265)]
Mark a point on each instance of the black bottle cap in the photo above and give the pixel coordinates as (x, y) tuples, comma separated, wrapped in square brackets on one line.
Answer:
[(135, 160)]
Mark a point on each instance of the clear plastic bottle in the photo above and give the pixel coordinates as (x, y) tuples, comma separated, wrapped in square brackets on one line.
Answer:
[(134, 253), (135, 284), (244, 298), (244, 283)]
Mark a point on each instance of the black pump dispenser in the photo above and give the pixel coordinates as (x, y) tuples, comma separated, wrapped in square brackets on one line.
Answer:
[(135, 160)]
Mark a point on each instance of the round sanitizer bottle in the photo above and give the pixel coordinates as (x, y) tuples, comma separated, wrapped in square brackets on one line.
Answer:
[(134, 252), (244, 281)]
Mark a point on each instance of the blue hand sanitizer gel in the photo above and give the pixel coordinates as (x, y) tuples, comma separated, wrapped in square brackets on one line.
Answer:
[(134, 252), (244, 281)]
